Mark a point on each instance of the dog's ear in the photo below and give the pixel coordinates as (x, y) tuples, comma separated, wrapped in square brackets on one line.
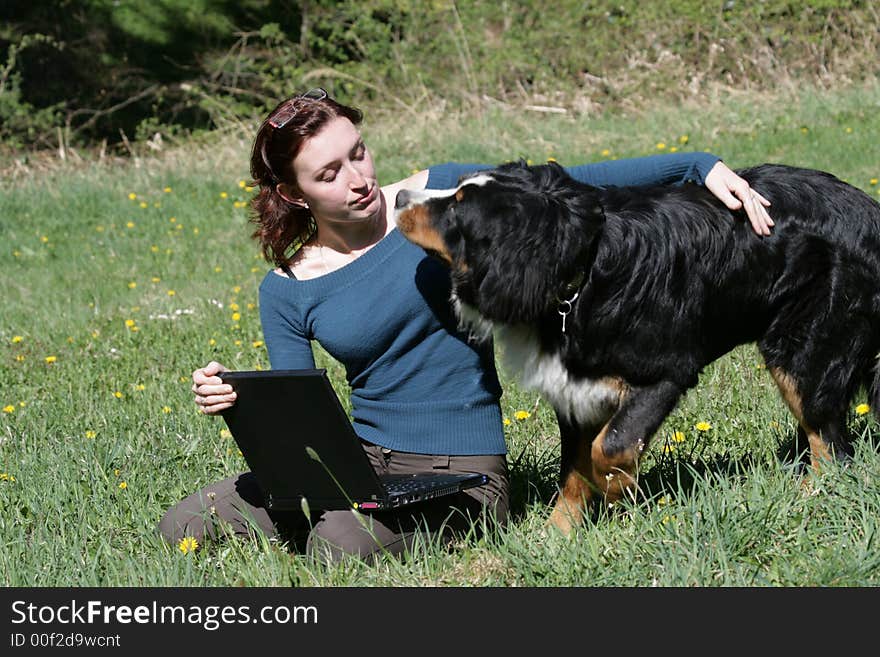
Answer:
[(553, 228)]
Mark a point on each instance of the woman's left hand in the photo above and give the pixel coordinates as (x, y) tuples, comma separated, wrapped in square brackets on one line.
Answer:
[(736, 193)]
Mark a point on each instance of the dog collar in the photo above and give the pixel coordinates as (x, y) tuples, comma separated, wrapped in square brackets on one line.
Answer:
[(567, 295)]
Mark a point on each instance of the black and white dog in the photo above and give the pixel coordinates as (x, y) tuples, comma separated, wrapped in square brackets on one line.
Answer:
[(610, 301)]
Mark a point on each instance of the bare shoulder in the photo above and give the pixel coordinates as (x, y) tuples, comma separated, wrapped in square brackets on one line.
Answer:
[(418, 180)]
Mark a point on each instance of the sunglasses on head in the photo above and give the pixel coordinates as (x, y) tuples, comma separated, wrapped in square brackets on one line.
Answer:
[(283, 117)]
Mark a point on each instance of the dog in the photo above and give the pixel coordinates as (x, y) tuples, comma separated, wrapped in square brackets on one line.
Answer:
[(611, 301)]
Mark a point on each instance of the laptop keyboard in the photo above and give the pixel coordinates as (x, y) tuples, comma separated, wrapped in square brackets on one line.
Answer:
[(407, 484)]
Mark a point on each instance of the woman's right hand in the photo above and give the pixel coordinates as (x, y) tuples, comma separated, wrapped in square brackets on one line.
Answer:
[(212, 395)]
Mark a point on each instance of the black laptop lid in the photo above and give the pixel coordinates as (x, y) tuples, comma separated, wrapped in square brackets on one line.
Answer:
[(281, 420)]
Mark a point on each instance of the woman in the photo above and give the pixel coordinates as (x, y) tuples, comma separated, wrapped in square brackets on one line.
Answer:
[(424, 398)]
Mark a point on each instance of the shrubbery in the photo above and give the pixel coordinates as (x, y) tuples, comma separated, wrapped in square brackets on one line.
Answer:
[(79, 72)]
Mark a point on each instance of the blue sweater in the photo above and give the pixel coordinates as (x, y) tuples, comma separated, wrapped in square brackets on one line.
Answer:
[(417, 383)]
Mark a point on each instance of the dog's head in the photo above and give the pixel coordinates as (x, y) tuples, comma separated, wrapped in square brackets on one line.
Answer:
[(513, 236)]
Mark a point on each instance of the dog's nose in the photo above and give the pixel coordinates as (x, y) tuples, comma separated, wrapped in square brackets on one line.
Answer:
[(402, 200)]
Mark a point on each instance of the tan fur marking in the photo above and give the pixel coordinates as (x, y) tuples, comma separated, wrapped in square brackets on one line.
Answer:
[(788, 388), (614, 476), (576, 493), (415, 223), (459, 195)]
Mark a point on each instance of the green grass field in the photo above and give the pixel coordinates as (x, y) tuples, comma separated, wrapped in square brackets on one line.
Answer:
[(120, 279)]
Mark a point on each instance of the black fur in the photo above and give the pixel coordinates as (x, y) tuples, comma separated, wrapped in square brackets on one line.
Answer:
[(672, 280)]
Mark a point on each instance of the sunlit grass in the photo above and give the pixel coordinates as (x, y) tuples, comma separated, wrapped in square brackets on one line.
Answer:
[(118, 281)]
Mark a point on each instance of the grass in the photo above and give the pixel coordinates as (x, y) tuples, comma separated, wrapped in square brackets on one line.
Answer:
[(111, 302)]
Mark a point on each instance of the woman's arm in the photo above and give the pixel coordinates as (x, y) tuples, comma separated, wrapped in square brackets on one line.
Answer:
[(667, 169)]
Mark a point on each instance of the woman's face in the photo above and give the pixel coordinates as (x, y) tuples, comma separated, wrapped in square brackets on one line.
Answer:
[(335, 174)]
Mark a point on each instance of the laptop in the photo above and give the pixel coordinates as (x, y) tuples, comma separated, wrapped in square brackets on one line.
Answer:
[(298, 441)]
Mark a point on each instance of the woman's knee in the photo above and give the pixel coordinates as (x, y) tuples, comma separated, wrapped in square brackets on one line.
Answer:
[(341, 534), (233, 505)]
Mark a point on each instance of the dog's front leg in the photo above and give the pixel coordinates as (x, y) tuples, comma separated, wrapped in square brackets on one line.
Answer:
[(575, 488), (616, 451)]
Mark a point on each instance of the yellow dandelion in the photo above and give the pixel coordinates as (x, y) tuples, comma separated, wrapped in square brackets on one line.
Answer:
[(663, 501), (195, 231), (233, 306), (132, 285), (257, 344), (51, 359), (22, 404), (249, 188), (862, 409), (184, 379), (238, 343), (154, 249), (236, 289), (212, 342), (849, 130), (16, 339), (140, 387), (606, 152), (44, 239), (143, 205), (9, 408), (16, 253), (668, 449), (660, 146), (19, 358), (254, 270), (132, 196), (678, 436), (166, 409), (804, 129), (172, 219), (667, 520), (507, 422), (171, 293), (156, 279), (123, 485), (167, 190), (5, 476), (223, 195), (218, 269), (872, 182), (683, 140), (188, 544), (118, 394), (90, 434), (129, 224), (702, 426), (242, 184), (100, 229), (236, 317), (673, 149), (522, 415), (225, 433), (129, 323)]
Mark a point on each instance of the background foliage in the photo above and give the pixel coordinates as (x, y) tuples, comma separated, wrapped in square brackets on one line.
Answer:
[(78, 73)]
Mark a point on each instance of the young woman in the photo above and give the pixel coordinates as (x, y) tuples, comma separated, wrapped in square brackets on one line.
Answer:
[(424, 398)]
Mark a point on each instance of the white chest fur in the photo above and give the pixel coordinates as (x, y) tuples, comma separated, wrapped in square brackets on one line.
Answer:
[(587, 401)]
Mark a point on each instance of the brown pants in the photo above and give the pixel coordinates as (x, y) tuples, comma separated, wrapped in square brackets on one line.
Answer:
[(236, 505)]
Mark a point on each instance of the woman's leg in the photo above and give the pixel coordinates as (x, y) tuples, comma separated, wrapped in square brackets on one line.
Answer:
[(369, 535), (233, 506)]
